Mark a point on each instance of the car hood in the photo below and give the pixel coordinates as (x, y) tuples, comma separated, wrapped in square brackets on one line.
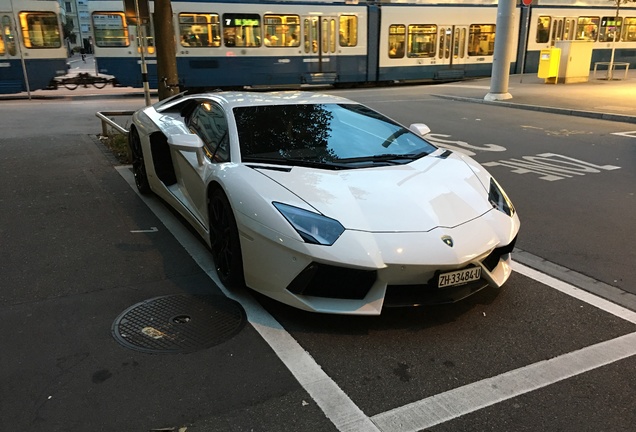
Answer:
[(422, 195)]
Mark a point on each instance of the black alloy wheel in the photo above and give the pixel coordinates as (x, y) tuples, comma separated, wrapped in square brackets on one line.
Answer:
[(224, 241), (139, 168)]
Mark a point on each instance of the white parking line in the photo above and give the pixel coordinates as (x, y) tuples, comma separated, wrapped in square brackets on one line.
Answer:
[(449, 405), (337, 406), (347, 416)]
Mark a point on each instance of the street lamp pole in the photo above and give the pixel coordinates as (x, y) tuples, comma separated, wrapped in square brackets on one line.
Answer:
[(141, 36)]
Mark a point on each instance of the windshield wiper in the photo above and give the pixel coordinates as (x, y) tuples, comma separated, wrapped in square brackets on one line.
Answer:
[(294, 162), (389, 157)]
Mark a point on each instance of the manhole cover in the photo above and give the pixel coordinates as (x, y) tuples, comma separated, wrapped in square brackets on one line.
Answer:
[(178, 323)]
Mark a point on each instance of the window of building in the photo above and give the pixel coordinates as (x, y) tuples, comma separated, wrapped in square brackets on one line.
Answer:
[(110, 29), (610, 26), (241, 30), (40, 30), (422, 39), (348, 30), (68, 6), (543, 29), (629, 30), (199, 30), (481, 40), (281, 30), (587, 28)]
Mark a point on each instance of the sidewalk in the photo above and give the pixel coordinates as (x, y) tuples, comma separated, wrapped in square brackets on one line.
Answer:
[(598, 98)]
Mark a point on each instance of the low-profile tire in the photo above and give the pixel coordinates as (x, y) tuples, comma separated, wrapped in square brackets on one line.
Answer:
[(224, 241), (139, 167)]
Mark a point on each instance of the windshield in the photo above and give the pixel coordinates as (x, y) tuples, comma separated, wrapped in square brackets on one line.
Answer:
[(334, 135)]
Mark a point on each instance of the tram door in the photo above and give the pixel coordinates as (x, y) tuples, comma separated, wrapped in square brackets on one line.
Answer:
[(563, 28), (452, 43), (319, 44), (11, 73)]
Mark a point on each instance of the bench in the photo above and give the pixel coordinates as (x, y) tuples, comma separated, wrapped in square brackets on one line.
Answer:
[(619, 64)]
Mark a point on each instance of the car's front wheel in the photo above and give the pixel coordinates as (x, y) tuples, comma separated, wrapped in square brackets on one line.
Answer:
[(224, 241), (139, 167)]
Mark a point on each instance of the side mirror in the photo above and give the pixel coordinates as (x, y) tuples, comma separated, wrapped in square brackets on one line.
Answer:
[(420, 129), (188, 143)]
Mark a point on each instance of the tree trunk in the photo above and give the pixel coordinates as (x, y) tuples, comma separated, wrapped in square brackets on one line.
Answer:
[(167, 75)]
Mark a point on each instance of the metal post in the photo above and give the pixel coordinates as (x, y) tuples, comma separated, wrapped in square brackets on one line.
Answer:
[(141, 36), (501, 59), (610, 67), (79, 27), (525, 42)]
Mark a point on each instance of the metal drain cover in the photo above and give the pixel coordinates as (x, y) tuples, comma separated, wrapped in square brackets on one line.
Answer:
[(179, 323)]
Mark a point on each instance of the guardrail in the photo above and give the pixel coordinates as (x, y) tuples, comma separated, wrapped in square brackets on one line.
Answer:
[(107, 121)]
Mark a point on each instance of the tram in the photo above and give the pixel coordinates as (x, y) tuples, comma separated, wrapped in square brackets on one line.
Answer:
[(593, 21), (229, 43), (31, 48)]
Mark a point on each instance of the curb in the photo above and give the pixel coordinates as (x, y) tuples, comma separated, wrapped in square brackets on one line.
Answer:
[(579, 280), (565, 111)]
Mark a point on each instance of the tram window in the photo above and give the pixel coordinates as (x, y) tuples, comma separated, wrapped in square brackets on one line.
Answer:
[(442, 41), (7, 38), (40, 30), (610, 26), (587, 28), (281, 30), (543, 29), (314, 36), (306, 35), (569, 32), (396, 40), (422, 39), (456, 44), (462, 43), (325, 36), (332, 32), (110, 29), (348, 30), (481, 40), (242, 30), (200, 30), (629, 30)]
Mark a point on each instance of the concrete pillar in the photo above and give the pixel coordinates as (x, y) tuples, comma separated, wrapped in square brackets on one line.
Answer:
[(504, 41)]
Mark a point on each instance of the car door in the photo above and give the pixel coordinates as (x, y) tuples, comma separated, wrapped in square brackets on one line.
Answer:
[(209, 122)]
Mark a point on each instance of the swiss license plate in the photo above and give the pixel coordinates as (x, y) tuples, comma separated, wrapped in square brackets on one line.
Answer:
[(459, 277)]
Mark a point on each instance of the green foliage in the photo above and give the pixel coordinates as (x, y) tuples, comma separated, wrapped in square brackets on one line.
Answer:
[(118, 144)]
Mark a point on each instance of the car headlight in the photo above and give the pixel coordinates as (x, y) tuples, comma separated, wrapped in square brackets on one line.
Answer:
[(312, 227), (498, 198)]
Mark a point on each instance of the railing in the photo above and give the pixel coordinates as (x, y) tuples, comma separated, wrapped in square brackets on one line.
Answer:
[(107, 121)]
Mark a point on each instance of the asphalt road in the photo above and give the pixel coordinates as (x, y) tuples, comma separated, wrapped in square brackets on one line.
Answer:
[(79, 247)]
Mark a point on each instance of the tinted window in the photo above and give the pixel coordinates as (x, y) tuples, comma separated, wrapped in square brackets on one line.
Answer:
[(322, 133), (208, 121)]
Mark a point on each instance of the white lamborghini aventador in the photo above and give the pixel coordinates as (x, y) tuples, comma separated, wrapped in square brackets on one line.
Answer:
[(322, 203)]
